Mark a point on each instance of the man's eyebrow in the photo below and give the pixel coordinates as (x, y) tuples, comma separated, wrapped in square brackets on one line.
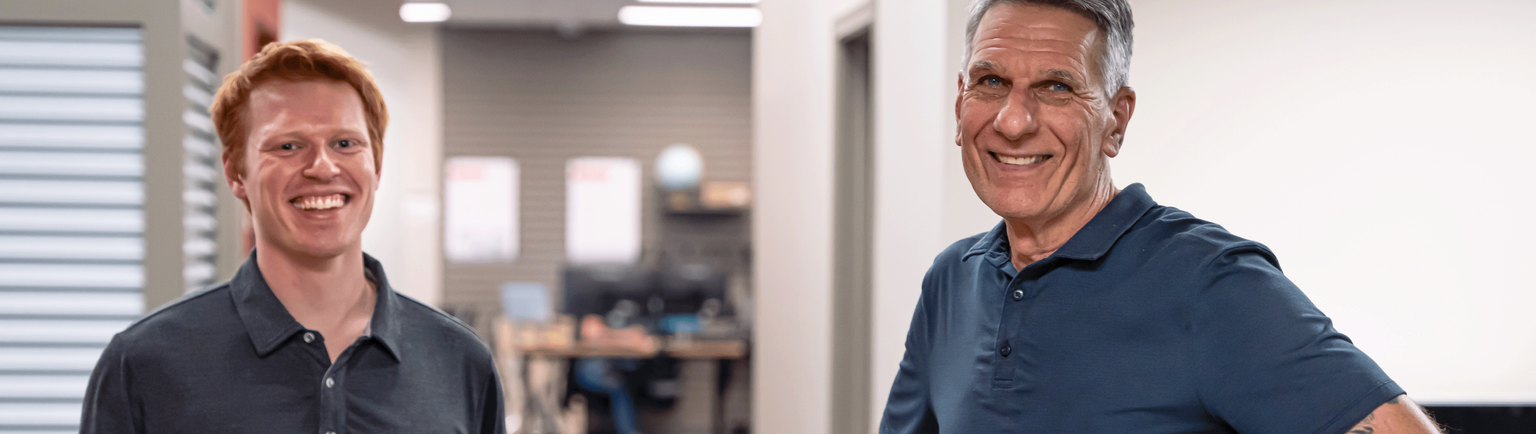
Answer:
[(1061, 74)]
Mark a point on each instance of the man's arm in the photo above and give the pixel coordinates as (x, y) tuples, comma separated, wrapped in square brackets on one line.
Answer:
[(908, 409), (1399, 416), (493, 410), (108, 407)]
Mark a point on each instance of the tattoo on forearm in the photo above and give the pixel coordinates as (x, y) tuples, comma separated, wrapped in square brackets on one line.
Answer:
[(1367, 426)]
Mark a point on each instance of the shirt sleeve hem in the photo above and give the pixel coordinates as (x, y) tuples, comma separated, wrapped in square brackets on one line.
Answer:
[(1362, 408)]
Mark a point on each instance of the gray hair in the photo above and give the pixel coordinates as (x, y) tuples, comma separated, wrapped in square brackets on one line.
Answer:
[(1113, 18)]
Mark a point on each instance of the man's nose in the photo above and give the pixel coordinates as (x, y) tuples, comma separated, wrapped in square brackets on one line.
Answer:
[(322, 165), (1016, 118)]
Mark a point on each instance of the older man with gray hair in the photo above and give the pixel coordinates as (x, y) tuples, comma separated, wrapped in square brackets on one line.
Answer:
[(1094, 309)]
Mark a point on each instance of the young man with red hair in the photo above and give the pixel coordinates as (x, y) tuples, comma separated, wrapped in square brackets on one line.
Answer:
[(308, 337)]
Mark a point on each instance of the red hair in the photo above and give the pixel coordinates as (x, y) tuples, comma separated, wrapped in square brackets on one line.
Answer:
[(309, 59)]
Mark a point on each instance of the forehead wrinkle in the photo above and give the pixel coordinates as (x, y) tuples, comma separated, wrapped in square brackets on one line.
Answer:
[(1076, 51), (1064, 66)]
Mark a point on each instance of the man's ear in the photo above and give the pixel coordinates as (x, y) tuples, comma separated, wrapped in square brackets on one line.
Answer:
[(235, 179), (959, 96), (1122, 106)]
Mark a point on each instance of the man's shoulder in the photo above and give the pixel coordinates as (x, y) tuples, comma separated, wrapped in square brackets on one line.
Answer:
[(192, 314), (434, 328), (959, 250), (1165, 232)]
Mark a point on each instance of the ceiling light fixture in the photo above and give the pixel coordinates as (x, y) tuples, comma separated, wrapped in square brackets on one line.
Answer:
[(707, 2), (690, 16), (420, 12)]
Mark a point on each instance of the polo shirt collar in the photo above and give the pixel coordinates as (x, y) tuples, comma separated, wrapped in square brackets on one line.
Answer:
[(1089, 243), (269, 324)]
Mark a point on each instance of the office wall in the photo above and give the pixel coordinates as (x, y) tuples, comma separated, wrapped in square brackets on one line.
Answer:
[(404, 232), (542, 99)]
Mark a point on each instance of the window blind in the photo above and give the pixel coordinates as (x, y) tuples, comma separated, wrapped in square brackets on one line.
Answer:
[(71, 213), (201, 166)]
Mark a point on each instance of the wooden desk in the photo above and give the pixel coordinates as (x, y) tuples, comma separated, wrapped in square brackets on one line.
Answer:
[(533, 374), (681, 349)]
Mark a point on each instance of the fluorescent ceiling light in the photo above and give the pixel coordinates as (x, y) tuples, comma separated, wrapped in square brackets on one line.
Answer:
[(414, 12), (690, 16), (708, 2)]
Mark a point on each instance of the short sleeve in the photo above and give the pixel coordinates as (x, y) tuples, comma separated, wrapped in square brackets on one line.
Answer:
[(493, 411), (108, 406), (1268, 361)]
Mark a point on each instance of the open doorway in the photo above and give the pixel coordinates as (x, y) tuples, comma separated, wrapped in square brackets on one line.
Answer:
[(852, 235)]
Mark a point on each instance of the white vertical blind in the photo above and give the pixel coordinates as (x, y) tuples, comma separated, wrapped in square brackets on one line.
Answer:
[(199, 166), (71, 213)]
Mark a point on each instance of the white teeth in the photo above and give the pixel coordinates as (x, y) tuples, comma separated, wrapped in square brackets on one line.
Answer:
[(1020, 161), (316, 203)]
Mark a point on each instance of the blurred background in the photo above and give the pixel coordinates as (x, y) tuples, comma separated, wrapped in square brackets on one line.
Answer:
[(713, 216)]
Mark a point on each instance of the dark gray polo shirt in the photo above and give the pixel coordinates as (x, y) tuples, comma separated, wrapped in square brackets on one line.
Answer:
[(230, 359), (1148, 320)]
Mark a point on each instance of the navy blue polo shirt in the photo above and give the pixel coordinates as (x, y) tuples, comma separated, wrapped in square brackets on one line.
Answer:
[(230, 359), (1148, 320)]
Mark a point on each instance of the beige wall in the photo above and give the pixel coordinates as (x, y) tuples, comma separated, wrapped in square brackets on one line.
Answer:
[(543, 99), (921, 199)]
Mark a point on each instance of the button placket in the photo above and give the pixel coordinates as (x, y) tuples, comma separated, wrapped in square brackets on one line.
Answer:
[(1008, 330), (333, 401)]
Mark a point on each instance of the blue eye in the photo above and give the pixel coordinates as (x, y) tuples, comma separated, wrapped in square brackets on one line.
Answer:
[(1061, 87), (991, 80)]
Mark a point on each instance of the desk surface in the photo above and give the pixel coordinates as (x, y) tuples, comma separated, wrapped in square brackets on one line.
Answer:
[(689, 349)]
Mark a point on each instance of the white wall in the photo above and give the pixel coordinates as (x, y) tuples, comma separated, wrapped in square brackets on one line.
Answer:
[(792, 99), (923, 201), (919, 203), (1380, 148), (404, 232)]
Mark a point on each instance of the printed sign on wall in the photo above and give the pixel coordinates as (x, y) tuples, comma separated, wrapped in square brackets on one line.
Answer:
[(480, 196), (602, 210)]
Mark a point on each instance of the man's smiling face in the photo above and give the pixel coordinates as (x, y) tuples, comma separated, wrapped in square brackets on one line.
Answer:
[(1035, 126), (309, 173)]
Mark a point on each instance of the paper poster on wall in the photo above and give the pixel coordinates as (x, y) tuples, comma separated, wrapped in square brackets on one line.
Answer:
[(480, 196), (602, 210)]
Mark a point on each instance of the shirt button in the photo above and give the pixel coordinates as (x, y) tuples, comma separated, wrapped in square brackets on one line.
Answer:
[(329, 383), (309, 337), (1018, 294), (1005, 350)]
